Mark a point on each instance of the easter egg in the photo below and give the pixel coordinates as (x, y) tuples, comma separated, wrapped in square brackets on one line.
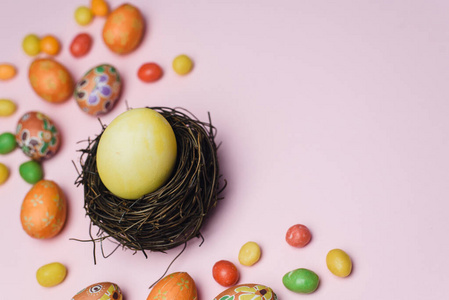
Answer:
[(7, 107), (7, 142), (4, 173), (339, 263), (302, 281), (123, 29), (136, 153), (225, 273), (298, 236), (247, 291), (249, 254), (31, 171), (98, 90), (50, 80), (37, 136), (44, 210), (182, 64), (81, 44), (50, 45), (7, 71), (31, 44), (97, 291), (176, 286), (51, 274)]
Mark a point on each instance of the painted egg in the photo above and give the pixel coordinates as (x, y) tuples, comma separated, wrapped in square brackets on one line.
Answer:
[(37, 136), (97, 291), (50, 80), (44, 210), (176, 286), (98, 90), (123, 29), (247, 291)]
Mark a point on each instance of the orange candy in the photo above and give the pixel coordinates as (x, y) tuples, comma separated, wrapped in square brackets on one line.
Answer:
[(99, 8), (50, 45)]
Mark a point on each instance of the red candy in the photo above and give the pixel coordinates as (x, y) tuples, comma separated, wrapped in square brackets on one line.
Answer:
[(81, 44), (149, 72), (298, 236), (225, 273)]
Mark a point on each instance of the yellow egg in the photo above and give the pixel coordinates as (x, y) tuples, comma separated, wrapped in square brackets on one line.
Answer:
[(339, 263), (51, 274), (4, 173), (249, 254), (136, 153), (7, 107), (182, 64)]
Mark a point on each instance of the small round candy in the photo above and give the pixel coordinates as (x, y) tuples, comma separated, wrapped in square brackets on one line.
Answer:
[(4, 173), (298, 236), (339, 263), (50, 45), (7, 71), (149, 72), (182, 64), (51, 274), (31, 171), (7, 107), (302, 281), (81, 45), (7, 142), (249, 254), (225, 273), (31, 45), (99, 8), (83, 15)]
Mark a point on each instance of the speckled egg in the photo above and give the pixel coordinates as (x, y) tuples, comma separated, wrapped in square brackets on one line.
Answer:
[(175, 286), (50, 80), (37, 136), (44, 210), (98, 90), (102, 290), (247, 291)]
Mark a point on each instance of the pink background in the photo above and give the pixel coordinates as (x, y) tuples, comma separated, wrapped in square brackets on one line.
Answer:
[(333, 114)]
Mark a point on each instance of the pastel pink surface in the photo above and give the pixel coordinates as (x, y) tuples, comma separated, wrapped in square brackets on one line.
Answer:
[(331, 114)]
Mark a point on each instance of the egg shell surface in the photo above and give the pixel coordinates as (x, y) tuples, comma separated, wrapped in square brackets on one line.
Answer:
[(44, 210), (176, 286), (98, 90), (136, 153), (100, 291), (247, 291), (37, 136), (50, 80), (123, 29)]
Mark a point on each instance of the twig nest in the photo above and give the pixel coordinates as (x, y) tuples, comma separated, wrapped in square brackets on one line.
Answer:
[(174, 213)]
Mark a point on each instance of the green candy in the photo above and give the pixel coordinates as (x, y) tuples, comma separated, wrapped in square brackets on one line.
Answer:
[(301, 281), (7, 142), (31, 171)]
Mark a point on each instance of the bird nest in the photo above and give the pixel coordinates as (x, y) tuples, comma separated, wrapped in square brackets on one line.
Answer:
[(169, 216)]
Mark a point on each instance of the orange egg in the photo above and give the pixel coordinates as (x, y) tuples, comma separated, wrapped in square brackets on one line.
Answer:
[(100, 291), (123, 29), (176, 286), (44, 210), (50, 80)]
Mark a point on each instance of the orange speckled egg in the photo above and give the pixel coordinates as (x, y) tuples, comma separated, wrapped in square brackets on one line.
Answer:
[(44, 210), (97, 291), (176, 286), (123, 29), (50, 80), (37, 136)]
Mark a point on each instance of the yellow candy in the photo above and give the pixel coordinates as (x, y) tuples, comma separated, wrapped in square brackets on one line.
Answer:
[(51, 274), (7, 71), (31, 45), (249, 254), (339, 263), (4, 173), (182, 64), (7, 107), (83, 15)]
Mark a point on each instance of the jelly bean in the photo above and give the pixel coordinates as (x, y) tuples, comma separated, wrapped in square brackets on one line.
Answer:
[(249, 254), (83, 15), (339, 263), (149, 72), (31, 171), (81, 45), (302, 281), (7, 107), (50, 45), (7, 71), (182, 64), (225, 273), (7, 142), (51, 274), (4, 173), (99, 8), (298, 236), (31, 45)]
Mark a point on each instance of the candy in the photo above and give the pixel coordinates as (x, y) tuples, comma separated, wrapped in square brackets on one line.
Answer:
[(81, 45), (7, 107), (7, 71), (339, 263), (301, 281), (99, 8), (31, 171), (83, 15), (50, 45), (182, 64), (249, 254), (225, 273), (31, 45), (4, 173), (51, 274), (149, 72), (7, 142), (298, 236)]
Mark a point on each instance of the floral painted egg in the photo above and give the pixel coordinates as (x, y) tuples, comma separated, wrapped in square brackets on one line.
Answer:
[(44, 210), (176, 286), (248, 291), (98, 90), (37, 136), (50, 80), (123, 29), (100, 291)]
